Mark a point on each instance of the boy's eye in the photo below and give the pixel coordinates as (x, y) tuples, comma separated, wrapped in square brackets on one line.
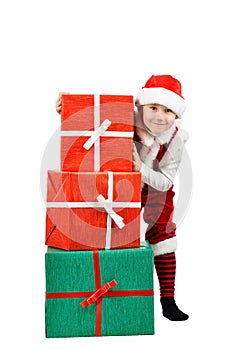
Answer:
[(153, 108), (168, 110)]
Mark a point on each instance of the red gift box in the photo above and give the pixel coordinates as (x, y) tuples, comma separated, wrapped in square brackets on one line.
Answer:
[(97, 133), (93, 210)]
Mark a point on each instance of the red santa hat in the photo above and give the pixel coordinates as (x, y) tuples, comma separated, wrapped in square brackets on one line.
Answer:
[(164, 90)]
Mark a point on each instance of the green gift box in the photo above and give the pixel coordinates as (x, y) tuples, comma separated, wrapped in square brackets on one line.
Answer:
[(99, 293)]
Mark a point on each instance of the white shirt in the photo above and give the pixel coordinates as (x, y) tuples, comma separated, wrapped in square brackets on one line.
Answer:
[(163, 178)]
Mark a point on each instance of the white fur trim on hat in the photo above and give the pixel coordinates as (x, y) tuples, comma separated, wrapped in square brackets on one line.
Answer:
[(163, 97), (165, 247)]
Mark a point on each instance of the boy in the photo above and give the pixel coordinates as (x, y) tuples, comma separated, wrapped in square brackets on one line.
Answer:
[(157, 154)]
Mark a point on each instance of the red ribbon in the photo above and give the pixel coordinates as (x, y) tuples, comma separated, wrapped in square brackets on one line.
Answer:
[(100, 292)]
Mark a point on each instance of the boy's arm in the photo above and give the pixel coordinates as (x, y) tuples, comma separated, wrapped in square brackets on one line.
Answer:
[(163, 178)]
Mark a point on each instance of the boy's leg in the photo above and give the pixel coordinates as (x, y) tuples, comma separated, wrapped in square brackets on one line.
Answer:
[(165, 266), (161, 234)]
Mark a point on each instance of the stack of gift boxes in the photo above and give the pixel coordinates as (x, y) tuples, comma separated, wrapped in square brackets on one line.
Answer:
[(99, 275)]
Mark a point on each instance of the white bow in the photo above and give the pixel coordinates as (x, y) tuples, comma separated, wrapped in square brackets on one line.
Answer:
[(97, 133), (108, 207)]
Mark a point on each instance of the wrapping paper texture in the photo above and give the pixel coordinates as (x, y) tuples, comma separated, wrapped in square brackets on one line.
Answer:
[(120, 315), (80, 116), (85, 228)]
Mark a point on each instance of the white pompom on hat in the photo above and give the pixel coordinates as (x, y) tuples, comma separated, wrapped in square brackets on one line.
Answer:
[(164, 90)]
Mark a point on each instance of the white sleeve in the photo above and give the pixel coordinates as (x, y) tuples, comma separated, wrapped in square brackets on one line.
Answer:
[(162, 179)]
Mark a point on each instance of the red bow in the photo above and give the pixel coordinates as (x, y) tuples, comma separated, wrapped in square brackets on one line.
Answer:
[(99, 292)]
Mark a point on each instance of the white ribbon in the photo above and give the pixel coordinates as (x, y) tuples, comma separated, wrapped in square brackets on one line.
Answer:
[(107, 204), (108, 207), (92, 204), (90, 133), (96, 134)]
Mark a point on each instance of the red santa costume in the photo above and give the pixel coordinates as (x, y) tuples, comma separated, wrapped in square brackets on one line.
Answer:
[(161, 156)]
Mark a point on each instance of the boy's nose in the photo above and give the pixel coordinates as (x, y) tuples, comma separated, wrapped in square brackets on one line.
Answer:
[(159, 115)]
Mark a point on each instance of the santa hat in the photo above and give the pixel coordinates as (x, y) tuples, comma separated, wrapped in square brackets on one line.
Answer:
[(164, 90)]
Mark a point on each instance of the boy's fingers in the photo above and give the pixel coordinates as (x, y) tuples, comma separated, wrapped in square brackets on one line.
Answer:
[(58, 104)]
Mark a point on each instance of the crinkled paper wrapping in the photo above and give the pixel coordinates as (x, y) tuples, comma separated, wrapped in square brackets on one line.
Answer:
[(82, 115), (73, 220), (69, 275)]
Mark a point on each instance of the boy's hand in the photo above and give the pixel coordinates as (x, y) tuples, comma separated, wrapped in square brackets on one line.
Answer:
[(58, 104), (137, 163)]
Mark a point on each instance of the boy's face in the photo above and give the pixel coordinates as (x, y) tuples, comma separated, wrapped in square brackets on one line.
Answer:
[(158, 118)]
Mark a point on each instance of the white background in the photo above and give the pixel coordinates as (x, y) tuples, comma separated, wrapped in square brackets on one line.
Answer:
[(113, 47)]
